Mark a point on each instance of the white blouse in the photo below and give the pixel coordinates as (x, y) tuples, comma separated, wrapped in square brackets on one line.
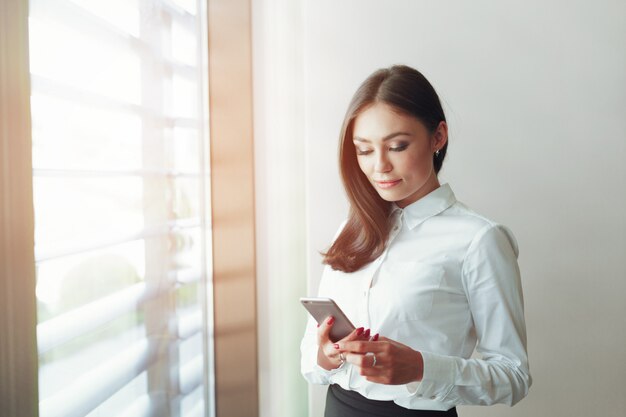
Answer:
[(447, 282)]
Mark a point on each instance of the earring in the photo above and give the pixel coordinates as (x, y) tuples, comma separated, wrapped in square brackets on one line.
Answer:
[(437, 153)]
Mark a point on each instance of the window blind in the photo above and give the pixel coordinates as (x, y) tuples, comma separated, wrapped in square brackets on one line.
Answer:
[(120, 179)]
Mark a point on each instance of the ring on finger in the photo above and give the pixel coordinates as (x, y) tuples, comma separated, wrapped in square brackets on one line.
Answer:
[(341, 357), (374, 361)]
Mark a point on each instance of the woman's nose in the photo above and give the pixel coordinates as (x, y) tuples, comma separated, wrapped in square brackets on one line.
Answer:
[(382, 163)]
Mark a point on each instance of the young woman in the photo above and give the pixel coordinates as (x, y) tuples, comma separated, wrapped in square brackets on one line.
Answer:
[(432, 279)]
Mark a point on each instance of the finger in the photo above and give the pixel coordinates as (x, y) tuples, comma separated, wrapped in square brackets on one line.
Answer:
[(356, 359), (372, 371), (363, 361), (354, 335), (323, 331), (361, 346), (366, 336), (331, 350)]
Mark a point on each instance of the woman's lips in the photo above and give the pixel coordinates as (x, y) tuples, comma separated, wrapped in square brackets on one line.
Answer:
[(387, 184)]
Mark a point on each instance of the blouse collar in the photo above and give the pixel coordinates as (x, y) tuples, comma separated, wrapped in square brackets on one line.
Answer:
[(428, 206)]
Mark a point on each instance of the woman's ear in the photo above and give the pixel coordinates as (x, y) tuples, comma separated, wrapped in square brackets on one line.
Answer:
[(440, 137)]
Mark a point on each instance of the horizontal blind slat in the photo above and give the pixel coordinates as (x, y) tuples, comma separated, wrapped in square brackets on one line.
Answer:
[(80, 321), (89, 24), (143, 406), (56, 251), (191, 375), (43, 85), (186, 276), (190, 324), (197, 411), (98, 384), (82, 173)]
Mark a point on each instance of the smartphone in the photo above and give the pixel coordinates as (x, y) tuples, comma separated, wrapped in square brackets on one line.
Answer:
[(321, 308)]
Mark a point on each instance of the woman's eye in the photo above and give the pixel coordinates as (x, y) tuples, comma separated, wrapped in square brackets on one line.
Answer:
[(398, 148), (362, 151)]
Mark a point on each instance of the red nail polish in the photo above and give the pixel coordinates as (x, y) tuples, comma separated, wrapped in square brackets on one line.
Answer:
[(359, 331), (336, 346), (367, 333), (331, 321), (375, 338), (318, 325)]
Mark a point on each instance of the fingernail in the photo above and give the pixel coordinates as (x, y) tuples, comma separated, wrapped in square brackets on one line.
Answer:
[(318, 325), (359, 331), (336, 346), (375, 338), (367, 333), (331, 321)]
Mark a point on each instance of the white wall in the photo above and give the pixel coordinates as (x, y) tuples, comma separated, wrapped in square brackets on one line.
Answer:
[(535, 94)]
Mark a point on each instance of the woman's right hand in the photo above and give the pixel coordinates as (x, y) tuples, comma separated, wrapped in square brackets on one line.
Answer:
[(328, 355)]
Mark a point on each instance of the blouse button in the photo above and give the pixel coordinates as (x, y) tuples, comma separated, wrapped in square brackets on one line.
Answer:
[(432, 397)]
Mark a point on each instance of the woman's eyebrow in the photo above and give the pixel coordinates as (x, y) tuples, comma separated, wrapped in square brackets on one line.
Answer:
[(390, 136)]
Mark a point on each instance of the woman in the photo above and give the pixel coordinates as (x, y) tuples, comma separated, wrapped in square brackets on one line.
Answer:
[(432, 279)]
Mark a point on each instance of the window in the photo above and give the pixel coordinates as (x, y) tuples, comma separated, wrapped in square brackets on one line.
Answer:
[(229, 293), (120, 188)]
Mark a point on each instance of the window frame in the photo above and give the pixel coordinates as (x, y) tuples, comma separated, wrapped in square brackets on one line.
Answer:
[(233, 207), (18, 314)]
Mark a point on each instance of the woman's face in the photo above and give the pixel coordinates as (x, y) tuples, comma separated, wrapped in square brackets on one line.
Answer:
[(395, 152)]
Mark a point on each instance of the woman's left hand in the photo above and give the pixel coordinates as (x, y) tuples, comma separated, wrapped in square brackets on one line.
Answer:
[(384, 361)]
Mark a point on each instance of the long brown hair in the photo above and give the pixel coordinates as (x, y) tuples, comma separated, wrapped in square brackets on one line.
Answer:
[(365, 234)]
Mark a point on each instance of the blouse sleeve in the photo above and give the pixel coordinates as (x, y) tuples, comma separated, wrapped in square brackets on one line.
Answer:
[(492, 283)]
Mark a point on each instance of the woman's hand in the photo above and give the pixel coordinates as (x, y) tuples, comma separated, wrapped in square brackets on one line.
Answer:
[(328, 355), (384, 361)]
